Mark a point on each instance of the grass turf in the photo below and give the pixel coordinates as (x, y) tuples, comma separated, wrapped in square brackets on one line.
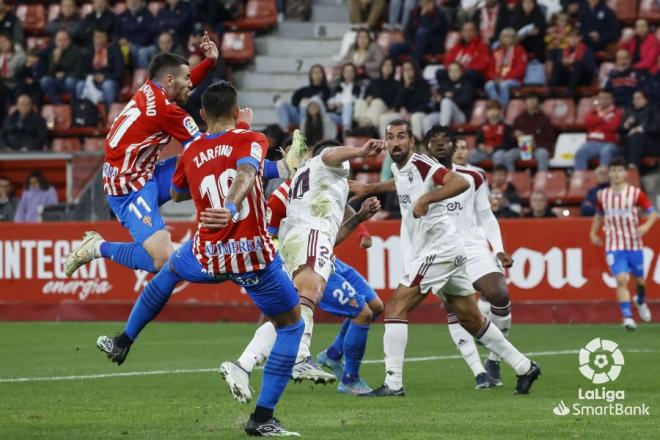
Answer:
[(440, 401)]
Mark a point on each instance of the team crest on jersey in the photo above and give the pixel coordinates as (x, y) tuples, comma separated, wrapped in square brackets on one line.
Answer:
[(410, 176), (189, 124), (255, 150), (352, 303), (147, 220)]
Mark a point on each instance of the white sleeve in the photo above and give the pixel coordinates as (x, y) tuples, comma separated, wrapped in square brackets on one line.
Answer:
[(489, 223), (481, 197)]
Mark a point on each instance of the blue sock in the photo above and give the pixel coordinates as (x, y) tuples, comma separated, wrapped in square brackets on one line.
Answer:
[(279, 364), (354, 345), (336, 350), (131, 255), (641, 294), (626, 309), (151, 301)]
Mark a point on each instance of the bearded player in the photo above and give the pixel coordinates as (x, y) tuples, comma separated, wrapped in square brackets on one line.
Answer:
[(222, 170), (434, 260)]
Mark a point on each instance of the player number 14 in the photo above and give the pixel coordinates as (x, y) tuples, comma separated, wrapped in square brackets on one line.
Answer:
[(218, 190)]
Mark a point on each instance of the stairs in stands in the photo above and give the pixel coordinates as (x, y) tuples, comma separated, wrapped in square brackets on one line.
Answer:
[(284, 56)]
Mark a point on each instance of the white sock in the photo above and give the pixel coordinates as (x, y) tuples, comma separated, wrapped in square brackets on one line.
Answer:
[(259, 347), (494, 340), (465, 344), (501, 317), (394, 345), (484, 306), (306, 341)]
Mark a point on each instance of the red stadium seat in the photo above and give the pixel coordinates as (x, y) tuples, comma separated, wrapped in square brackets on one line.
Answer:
[(478, 112), (259, 15), (626, 10), (605, 68), (523, 183), (387, 38), (451, 39), (115, 109), (633, 177), (513, 109), (560, 111), (584, 106), (237, 47), (57, 116), (649, 10), (580, 184), (38, 42), (552, 183), (65, 145), (93, 144), (32, 17)]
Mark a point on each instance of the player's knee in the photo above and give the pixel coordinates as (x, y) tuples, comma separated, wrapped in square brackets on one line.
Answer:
[(622, 280), (365, 316), (497, 295), (376, 306)]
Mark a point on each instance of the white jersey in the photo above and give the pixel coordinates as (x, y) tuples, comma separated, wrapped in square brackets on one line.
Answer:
[(463, 208), (317, 198), (434, 233)]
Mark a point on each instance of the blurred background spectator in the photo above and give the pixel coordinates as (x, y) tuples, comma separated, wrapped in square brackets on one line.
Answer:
[(344, 95), (135, 33), (399, 13), (68, 19), (494, 138), (453, 101), (641, 130), (588, 205), (64, 68), (10, 24), (27, 78), (101, 17), (424, 34), (506, 69), (365, 54), (556, 38), (24, 130), (528, 20), (317, 125), (533, 122), (471, 53), (490, 19), (288, 114), (574, 65), (106, 65), (12, 60), (499, 204), (176, 18), (8, 200), (500, 181), (367, 12), (598, 24), (602, 124), (37, 194), (378, 97), (642, 46), (538, 206), (623, 79)]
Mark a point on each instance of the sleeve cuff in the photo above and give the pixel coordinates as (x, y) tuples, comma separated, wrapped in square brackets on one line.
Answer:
[(186, 142), (249, 160), (272, 230)]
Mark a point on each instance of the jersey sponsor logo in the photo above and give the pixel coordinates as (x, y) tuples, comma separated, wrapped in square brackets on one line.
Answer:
[(110, 171), (189, 124), (233, 247), (454, 206), (255, 150), (460, 260)]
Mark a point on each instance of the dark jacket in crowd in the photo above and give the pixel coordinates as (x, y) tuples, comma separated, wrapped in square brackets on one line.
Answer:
[(648, 118), (309, 91), (547, 214), (114, 69), (73, 25), (533, 43), (588, 205), (10, 24), (24, 134), (462, 93), (505, 212), (385, 89), (177, 21), (136, 28), (601, 19), (70, 62), (106, 21), (435, 23), (539, 126), (501, 22), (623, 84), (415, 98)]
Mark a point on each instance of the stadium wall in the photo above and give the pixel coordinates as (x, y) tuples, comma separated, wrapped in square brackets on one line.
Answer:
[(558, 275)]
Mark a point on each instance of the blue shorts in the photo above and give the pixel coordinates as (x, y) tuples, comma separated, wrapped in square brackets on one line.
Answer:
[(138, 211), (347, 292), (626, 262), (271, 289)]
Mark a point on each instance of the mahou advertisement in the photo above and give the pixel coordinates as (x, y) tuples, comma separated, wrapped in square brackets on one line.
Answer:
[(557, 276)]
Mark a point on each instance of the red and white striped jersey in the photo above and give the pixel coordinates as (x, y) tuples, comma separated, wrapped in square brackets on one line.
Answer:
[(138, 134), (621, 217), (206, 169)]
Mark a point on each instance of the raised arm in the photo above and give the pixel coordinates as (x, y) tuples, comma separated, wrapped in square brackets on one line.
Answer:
[(352, 219), (334, 157), (365, 189), (199, 72), (450, 184)]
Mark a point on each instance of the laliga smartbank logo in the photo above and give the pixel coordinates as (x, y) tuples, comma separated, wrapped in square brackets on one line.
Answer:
[(601, 362)]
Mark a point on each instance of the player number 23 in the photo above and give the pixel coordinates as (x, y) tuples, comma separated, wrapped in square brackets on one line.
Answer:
[(218, 190), (341, 296)]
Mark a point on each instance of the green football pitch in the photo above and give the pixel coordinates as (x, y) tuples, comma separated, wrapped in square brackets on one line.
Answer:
[(55, 384)]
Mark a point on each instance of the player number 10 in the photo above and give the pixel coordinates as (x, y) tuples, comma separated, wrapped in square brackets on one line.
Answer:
[(218, 190)]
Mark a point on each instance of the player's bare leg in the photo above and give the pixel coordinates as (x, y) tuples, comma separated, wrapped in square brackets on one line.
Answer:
[(403, 301), (472, 320), (623, 298), (493, 289), (640, 299), (159, 246)]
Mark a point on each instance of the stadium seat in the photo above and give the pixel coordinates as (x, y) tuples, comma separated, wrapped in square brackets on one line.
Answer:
[(580, 184), (237, 47), (523, 183), (552, 183), (57, 116), (32, 17), (387, 38), (451, 40), (513, 109), (65, 145), (40, 43), (605, 68), (626, 10), (259, 15), (478, 112), (584, 106), (367, 177), (560, 111), (93, 144), (115, 109), (649, 10), (565, 148)]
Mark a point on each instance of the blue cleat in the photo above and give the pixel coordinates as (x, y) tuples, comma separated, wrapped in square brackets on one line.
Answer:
[(355, 388), (337, 367)]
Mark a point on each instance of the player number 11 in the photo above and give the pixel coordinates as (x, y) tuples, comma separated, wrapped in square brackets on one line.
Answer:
[(218, 190)]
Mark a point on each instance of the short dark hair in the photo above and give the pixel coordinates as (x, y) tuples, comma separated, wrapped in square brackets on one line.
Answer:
[(618, 162), (439, 129), (322, 145), (165, 63), (500, 167), (43, 183), (220, 99), (532, 95), (399, 122)]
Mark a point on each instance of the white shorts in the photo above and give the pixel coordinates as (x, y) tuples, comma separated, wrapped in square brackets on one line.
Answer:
[(480, 262), (308, 247), (441, 274)]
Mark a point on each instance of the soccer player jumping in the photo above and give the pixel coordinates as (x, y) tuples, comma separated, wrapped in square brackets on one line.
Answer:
[(617, 213)]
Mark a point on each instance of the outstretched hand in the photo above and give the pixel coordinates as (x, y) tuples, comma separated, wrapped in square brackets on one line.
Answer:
[(372, 147), (369, 208), (209, 48)]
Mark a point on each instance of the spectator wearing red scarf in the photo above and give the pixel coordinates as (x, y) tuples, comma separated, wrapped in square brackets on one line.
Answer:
[(471, 53), (602, 124), (507, 68), (575, 66)]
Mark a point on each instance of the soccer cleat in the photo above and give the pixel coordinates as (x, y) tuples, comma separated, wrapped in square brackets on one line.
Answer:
[(384, 391), (297, 154), (642, 310), (354, 388), (493, 370), (238, 380), (270, 428), (526, 380), (484, 382), (83, 254), (337, 367), (307, 369), (629, 324), (114, 348)]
